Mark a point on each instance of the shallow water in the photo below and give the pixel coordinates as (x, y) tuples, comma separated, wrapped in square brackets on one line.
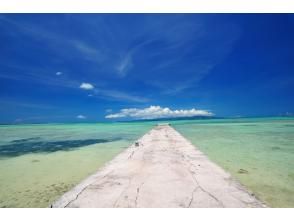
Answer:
[(38, 163), (258, 152)]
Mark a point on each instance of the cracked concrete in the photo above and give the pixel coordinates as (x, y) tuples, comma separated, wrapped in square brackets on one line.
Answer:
[(161, 169)]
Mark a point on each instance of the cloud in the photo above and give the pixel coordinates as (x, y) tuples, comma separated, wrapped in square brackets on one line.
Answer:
[(74, 84), (43, 118), (125, 64), (121, 96), (59, 73), (18, 120), (89, 52), (188, 49), (81, 117), (86, 86), (108, 110), (154, 112), (55, 40), (118, 96), (15, 103)]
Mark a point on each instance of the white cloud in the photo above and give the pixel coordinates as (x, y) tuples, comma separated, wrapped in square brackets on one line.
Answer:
[(59, 73), (86, 86), (81, 117), (154, 112)]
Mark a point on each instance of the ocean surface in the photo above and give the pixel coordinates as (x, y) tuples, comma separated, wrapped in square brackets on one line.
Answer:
[(38, 163), (259, 152)]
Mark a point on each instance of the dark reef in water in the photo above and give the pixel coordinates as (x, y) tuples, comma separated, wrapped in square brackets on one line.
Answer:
[(290, 125), (25, 140), (35, 145), (243, 171)]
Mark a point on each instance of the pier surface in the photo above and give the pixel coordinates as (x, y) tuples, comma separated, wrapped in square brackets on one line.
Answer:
[(162, 169)]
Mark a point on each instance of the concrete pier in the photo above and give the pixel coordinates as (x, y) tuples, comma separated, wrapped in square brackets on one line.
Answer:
[(161, 169)]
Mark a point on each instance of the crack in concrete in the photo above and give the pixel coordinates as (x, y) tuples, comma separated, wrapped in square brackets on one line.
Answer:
[(210, 194), (70, 202), (192, 196), (78, 194), (128, 186), (165, 150), (131, 155), (193, 174), (123, 191), (137, 195)]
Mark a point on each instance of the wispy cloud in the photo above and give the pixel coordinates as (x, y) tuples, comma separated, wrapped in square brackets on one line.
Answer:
[(124, 65), (191, 53), (18, 104), (54, 40), (87, 86), (42, 118), (173, 88), (91, 52), (86, 50), (74, 84), (120, 96), (109, 110), (81, 117), (154, 112), (174, 51), (38, 76)]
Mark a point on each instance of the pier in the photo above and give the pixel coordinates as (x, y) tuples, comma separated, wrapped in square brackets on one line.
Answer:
[(161, 169)]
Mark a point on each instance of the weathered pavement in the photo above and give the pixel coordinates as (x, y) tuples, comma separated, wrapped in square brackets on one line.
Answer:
[(165, 170)]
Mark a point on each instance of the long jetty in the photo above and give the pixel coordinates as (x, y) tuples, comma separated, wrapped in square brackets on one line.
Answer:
[(161, 169)]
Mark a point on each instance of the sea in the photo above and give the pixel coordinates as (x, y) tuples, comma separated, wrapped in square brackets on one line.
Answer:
[(40, 162)]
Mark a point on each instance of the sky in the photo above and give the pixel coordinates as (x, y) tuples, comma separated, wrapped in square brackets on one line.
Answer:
[(105, 67)]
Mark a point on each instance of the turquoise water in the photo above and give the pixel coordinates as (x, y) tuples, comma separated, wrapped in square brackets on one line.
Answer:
[(38, 163), (257, 152)]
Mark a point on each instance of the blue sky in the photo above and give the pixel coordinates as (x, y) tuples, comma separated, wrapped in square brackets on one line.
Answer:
[(88, 67)]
